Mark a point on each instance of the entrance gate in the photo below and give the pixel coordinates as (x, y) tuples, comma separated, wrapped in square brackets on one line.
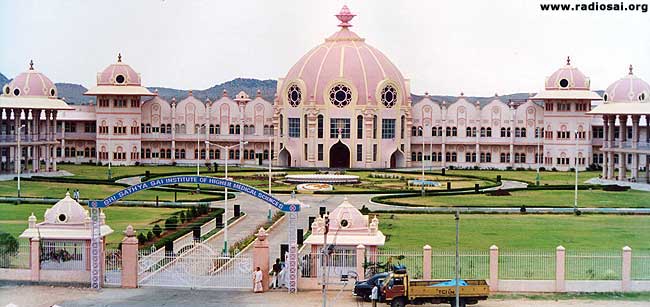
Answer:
[(202, 269), (199, 270)]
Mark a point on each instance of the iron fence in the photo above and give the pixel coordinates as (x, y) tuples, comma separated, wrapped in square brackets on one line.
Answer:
[(384, 260), (113, 267), (641, 265), (589, 265), (527, 264), (15, 257), (64, 255), (474, 264)]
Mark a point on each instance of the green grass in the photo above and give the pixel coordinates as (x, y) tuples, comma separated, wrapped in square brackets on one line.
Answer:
[(547, 177), (604, 296), (586, 232), (89, 191), (534, 198), (13, 218)]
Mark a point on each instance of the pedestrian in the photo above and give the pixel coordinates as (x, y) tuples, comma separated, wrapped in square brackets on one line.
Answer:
[(257, 280), (374, 295), (277, 268)]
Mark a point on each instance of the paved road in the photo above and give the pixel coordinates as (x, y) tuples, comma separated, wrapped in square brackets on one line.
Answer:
[(42, 296)]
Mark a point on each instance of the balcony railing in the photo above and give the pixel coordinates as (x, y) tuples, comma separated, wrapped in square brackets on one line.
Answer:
[(9, 138)]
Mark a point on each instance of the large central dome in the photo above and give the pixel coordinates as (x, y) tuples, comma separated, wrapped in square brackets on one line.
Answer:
[(344, 70)]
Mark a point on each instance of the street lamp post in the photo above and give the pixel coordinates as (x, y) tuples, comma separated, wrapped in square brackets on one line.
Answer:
[(198, 154), (225, 231), (270, 166), (575, 196), (423, 151), (539, 135), (20, 156), (110, 173)]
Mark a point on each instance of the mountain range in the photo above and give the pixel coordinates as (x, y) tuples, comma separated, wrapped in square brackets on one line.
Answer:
[(73, 93)]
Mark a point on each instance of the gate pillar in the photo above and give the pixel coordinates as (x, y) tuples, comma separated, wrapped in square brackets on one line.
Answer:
[(129, 259), (261, 257)]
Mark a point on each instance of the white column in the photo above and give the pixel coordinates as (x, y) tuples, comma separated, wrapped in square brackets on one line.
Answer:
[(622, 157), (635, 143), (605, 145)]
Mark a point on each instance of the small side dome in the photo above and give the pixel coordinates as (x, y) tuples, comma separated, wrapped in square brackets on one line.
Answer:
[(119, 74), (567, 78), (30, 84), (628, 89), (66, 211)]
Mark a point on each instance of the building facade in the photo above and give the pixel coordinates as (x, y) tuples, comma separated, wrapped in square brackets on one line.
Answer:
[(344, 104)]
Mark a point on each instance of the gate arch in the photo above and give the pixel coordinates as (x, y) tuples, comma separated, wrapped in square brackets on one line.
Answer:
[(291, 208)]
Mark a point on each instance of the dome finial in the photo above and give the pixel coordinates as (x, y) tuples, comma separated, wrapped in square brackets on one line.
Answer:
[(345, 16), (568, 60), (31, 65), (631, 69), (119, 57)]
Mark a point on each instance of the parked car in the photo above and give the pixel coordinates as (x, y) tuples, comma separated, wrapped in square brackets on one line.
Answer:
[(363, 288)]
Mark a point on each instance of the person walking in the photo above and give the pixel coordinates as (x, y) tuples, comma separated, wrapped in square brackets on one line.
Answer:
[(257, 281), (374, 295), (277, 268)]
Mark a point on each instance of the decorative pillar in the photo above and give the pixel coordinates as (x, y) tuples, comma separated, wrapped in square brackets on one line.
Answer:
[(361, 256), (261, 257), (627, 269), (35, 258), (426, 262), (54, 124), (443, 146), (129, 259), (173, 129), (605, 145), (622, 156), (559, 269), (494, 268)]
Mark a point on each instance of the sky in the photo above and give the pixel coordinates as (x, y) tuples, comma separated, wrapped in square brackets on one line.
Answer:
[(444, 47)]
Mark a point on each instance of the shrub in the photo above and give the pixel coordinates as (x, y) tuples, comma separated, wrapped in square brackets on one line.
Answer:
[(498, 192), (615, 188), (577, 212), (149, 235), (141, 238), (182, 218), (171, 223), (8, 248), (522, 209), (157, 231), (542, 169), (195, 211), (508, 168), (364, 210)]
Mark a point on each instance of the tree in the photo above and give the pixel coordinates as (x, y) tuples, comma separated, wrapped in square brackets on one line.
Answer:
[(181, 217), (171, 223), (157, 230), (8, 248), (141, 238), (149, 235)]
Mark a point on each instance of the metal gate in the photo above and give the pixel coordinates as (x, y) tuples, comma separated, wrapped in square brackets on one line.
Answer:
[(197, 268)]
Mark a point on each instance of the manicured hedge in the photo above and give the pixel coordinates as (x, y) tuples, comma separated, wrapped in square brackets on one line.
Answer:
[(169, 240)]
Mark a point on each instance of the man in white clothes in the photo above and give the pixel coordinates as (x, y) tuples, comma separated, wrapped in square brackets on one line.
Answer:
[(374, 295), (257, 280)]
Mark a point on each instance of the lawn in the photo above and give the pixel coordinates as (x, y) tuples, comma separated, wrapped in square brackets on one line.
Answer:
[(547, 177), (89, 191), (477, 231), (13, 218), (526, 244), (535, 198), (101, 172)]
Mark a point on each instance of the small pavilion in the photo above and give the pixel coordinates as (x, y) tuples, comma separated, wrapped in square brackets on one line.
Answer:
[(60, 245)]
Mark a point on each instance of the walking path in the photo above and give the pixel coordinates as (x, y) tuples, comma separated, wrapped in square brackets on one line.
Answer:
[(60, 173), (641, 186)]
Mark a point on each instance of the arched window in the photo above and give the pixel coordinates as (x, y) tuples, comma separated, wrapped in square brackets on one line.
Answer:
[(439, 130), (169, 128), (413, 156), (169, 153), (448, 156), (217, 154), (266, 154), (523, 132), (522, 158), (448, 131), (488, 157), (402, 122), (251, 129), (503, 132), (281, 125), (359, 127), (162, 153), (468, 132), (147, 153), (182, 153), (508, 134), (251, 154), (232, 129), (414, 131), (419, 156), (482, 132), (420, 131), (183, 130), (211, 154), (236, 154), (374, 126), (474, 131), (454, 131), (203, 154), (434, 131), (305, 126), (231, 154), (196, 153), (517, 132), (454, 157), (246, 154), (320, 126), (211, 131), (488, 132)]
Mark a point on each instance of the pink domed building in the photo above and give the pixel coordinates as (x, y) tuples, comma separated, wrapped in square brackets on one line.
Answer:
[(344, 104), (29, 105), (625, 103)]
